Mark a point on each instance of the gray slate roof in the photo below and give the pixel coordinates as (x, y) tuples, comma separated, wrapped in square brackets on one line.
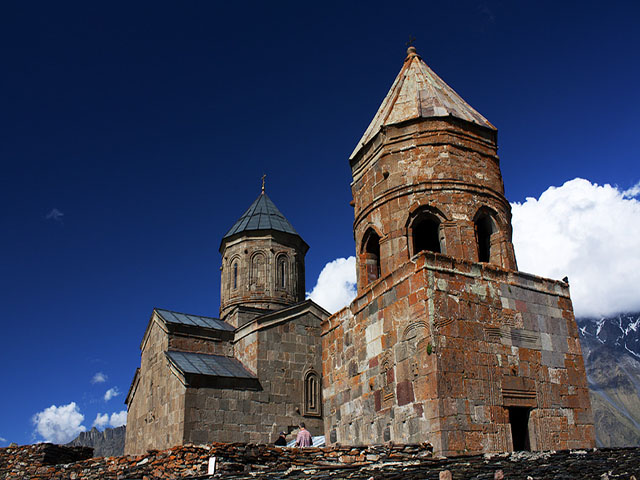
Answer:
[(210, 365), (418, 92), (194, 320), (262, 215)]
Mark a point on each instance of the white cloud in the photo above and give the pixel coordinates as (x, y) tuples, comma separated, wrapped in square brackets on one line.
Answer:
[(112, 392), (2, 439), (102, 419), (116, 420), (336, 285), (59, 424), (591, 234), (99, 378), (633, 191), (55, 215)]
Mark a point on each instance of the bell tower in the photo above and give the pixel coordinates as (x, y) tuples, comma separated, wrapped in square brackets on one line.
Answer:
[(446, 341), (262, 261), (426, 177)]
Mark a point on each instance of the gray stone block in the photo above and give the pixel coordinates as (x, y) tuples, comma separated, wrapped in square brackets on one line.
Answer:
[(552, 359)]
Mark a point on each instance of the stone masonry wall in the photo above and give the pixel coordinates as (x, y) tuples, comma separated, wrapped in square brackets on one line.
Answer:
[(191, 343), (156, 412), (259, 282), (448, 168), (280, 355), (287, 352), (440, 350), (246, 351)]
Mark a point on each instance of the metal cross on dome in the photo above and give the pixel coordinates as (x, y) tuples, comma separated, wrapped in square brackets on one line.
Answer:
[(264, 175)]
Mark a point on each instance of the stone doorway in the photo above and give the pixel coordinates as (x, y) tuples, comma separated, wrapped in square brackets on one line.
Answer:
[(519, 421)]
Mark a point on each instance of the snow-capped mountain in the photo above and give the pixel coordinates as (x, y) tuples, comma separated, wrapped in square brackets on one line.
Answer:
[(621, 332), (611, 350)]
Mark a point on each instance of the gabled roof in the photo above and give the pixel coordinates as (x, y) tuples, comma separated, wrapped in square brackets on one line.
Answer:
[(186, 324), (276, 317), (193, 320), (418, 92), (208, 365), (261, 215)]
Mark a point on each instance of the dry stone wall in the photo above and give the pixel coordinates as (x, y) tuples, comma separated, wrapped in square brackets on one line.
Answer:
[(243, 462)]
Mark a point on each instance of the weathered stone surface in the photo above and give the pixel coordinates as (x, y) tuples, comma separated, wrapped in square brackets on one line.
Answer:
[(262, 269), (244, 462), (446, 342), (266, 325)]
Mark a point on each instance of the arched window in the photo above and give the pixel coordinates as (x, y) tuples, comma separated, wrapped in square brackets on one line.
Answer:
[(425, 232), (235, 274), (281, 271), (258, 264), (485, 228), (312, 401), (371, 255)]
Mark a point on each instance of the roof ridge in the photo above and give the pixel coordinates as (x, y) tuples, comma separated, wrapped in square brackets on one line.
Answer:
[(184, 313)]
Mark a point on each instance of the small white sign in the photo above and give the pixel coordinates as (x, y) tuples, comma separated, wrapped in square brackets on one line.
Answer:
[(212, 466)]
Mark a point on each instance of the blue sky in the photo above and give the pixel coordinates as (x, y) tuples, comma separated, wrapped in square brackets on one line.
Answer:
[(133, 135)]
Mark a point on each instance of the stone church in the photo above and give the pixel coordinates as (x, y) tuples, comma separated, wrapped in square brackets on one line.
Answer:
[(446, 341), (251, 373)]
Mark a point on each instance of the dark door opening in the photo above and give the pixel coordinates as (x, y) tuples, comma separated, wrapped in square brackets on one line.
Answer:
[(519, 420)]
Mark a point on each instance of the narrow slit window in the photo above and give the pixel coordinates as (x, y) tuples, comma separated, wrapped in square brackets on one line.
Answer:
[(311, 399), (282, 272), (258, 270), (235, 275)]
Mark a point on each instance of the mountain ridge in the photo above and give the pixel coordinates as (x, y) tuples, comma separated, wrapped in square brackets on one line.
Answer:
[(611, 352), (106, 443)]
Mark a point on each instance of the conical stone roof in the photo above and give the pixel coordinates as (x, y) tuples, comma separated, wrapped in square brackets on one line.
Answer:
[(418, 92), (261, 215)]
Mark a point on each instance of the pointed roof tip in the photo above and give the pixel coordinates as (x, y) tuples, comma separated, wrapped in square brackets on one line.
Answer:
[(412, 52), (418, 92)]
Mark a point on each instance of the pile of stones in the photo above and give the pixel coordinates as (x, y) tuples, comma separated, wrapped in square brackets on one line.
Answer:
[(246, 461)]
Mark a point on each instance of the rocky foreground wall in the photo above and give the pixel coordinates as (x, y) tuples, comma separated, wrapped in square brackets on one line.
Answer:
[(246, 461)]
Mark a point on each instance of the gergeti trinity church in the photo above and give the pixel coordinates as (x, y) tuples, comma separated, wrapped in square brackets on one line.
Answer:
[(446, 341)]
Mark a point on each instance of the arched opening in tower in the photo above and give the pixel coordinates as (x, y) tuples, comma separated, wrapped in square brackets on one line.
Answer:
[(484, 230), (426, 234), (371, 255)]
